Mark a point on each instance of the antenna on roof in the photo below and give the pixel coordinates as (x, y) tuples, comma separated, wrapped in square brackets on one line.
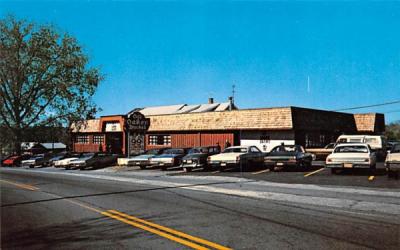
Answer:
[(231, 98)]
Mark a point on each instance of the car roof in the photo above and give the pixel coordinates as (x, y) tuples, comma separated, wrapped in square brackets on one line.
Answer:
[(352, 144), (240, 146)]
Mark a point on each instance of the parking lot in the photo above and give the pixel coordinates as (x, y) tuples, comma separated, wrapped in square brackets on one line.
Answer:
[(317, 174)]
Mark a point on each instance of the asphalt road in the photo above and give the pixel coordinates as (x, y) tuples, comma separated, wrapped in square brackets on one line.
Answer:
[(47, 208)]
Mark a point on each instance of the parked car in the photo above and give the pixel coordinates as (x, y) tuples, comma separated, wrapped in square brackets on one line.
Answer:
[(93, 160), (36, 160), (65, 162), (351, 155), (288, 155), (60, 156), (15, 160), (392, 162), (169, 158), (390, 144), (322, 153), (237, 156), (197, 157), (142, 160), (81, 161), (376, 142)]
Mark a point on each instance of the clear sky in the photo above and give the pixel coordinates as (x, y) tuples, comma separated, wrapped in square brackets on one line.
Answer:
[(161, 53)]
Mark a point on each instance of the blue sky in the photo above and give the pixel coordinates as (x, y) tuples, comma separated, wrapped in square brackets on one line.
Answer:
[(160, 53)]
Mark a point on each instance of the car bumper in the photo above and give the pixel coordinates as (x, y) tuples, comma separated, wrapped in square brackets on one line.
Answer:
[(348, 165), (391, 166), (224, 163), (281, 163), (192, 165), (28, 164), (162, 164), (78, 165)]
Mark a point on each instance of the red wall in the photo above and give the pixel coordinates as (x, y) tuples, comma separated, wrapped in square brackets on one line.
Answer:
[(187, 140)]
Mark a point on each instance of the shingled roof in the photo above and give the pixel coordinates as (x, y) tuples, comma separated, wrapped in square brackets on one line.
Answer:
[(370, 122), (88, 126), (269, 118)]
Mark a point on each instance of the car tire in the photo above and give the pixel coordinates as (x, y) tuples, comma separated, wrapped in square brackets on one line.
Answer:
[(333, 171), (142, 167), (187, 170), (31, 166)]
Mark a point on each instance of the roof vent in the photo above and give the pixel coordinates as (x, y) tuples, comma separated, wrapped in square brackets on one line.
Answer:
[(210, 100)]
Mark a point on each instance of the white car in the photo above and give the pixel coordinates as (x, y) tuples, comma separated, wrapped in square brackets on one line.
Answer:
[(392, 161), (351, 155), (66, 161), (237, 156)]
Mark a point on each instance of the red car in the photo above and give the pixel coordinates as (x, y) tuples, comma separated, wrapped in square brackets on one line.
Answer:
[(14, 160)]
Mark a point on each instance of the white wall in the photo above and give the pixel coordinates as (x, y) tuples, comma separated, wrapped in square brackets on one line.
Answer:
[(266, 140)]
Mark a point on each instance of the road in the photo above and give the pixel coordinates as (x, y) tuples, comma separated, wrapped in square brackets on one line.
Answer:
[(43, 208)]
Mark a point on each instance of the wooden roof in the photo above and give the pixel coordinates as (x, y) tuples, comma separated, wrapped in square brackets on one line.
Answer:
[(370, 122), (269, 118), (88, 126)]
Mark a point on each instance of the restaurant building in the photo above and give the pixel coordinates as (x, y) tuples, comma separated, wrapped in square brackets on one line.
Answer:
[(212, 123)]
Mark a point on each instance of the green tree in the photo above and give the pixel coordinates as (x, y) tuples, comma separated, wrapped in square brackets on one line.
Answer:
[(45, 79), (393, 131)]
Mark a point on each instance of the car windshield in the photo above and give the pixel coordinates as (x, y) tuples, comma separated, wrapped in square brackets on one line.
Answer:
[(235, 150), (88, 155), (152, 152), (351, 149), (174, 151), (330, 145), (198, 150), (286, 149), (395, 149)]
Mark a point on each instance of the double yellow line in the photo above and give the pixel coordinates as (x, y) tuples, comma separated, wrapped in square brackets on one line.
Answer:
[(20, 185), (168, 233), (171, 234)]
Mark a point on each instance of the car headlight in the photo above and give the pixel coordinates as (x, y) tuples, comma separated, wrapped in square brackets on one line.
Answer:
[(366, 160)]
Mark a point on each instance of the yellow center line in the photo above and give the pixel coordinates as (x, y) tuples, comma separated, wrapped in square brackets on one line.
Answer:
[(160, 233), (172, 231), (262, 171), (20, 185), (371, 178), (314, 172), (126, 219)]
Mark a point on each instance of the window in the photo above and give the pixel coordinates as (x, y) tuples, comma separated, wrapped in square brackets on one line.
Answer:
[(82, 139), (98, 139), (351, 149), (254, 150), (159, 139)]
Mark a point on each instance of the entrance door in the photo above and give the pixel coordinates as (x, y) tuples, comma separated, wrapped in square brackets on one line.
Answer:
[(114, 143)]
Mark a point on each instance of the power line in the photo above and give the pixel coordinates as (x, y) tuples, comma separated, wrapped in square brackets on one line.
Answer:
[(370, 106), (391, 111)]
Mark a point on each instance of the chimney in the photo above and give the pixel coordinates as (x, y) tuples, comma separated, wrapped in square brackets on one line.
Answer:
[(210, 100), (230, 99)]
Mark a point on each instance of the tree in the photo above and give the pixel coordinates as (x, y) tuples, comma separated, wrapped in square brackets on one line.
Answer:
[(392, 131), (45, 79)]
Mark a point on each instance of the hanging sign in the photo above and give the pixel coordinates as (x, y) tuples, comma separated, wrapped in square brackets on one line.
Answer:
[(136, 126)]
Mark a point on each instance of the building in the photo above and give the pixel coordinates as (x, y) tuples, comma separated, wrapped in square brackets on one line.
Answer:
[(41, 148), (212, 123)]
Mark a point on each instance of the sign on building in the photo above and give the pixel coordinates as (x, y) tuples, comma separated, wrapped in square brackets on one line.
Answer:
[(136, 126)]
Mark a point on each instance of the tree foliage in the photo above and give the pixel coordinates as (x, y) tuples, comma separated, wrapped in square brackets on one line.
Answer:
[(44, 77), (393, 131)]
